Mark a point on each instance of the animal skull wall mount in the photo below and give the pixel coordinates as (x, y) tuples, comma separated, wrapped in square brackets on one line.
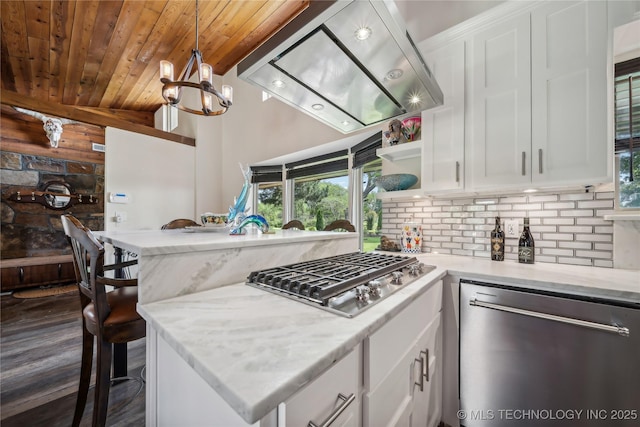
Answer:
[(52, 126)]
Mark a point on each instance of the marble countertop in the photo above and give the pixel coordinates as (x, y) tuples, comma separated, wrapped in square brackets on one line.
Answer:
[(160, 242), (256, 349)]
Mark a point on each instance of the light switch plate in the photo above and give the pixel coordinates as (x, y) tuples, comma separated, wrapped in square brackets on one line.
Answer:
[(511, 228)]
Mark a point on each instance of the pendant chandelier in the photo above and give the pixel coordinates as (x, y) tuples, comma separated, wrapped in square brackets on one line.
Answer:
[(172, 90)]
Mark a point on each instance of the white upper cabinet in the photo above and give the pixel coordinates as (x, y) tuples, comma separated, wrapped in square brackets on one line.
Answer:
[(499, 148), (539, 99), (443, 127), (569, 93)]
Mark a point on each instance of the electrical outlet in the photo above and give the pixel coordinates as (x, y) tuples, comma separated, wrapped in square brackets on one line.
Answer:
[(511, 228)]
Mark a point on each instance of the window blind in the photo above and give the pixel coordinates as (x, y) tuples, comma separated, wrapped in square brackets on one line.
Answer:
[(365, 151), (324, 164), (261, 174)]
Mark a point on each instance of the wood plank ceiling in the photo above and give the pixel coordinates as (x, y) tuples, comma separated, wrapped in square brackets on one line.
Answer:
[(105, 54)]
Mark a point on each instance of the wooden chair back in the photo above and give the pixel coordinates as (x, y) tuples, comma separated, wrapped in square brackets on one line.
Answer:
[(293, 224), (179, 223), (88, 262), (340, 224)]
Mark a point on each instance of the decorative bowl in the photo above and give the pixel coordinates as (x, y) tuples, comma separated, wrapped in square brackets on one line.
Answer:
[(396, 182), (213, 219), (411, 127)]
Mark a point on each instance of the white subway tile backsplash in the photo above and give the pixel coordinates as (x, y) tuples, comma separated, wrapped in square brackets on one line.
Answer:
[(605, 195), (560, 205), (568, 228), (575, 245), (557, 236), (592, 221), (543, 198), (575, 229), (602, 263), (528, 207), (558, 252), (559, 221), (577, 212), (575, 261), (577, 196), (594, 237), (596, 204), (594, 254), (519, 199)]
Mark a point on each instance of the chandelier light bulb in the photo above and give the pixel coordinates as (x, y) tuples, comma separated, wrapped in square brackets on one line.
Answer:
[(166, 70), (207, 101), (170, 93), (227, 92), (206, 73)]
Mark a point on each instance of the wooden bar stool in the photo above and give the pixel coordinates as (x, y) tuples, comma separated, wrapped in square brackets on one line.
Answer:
[(109, 316)]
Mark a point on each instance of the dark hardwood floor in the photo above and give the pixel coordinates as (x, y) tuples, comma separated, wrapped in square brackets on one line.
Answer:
[(40, 349)]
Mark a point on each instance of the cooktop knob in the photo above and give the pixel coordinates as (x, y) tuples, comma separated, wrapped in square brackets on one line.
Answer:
[(416, 269), (362, 293), (397, 277), (374, 287)]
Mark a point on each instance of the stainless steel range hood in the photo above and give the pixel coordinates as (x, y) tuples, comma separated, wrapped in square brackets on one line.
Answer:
[(349, 64)]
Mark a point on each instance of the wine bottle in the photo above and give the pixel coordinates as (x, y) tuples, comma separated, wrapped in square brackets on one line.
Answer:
[(497, 242), (526, 251)]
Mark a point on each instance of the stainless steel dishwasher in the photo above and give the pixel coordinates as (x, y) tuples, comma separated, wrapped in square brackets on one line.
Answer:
[(530, 358)]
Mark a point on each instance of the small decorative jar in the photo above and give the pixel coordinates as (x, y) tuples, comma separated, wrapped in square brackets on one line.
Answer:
[(411, 239)]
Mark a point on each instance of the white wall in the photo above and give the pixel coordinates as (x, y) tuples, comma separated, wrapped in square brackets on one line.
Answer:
[(158, 175)]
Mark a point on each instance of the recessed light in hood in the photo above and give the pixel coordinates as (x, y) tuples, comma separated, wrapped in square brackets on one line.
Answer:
[(323, 57)]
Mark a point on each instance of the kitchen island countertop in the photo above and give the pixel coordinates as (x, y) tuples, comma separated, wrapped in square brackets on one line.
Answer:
[(256, 349)]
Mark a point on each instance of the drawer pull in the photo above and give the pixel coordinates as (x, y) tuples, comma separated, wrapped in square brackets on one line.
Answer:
[(420, 384), (524, 159), (457, 171), (21, 274), (540, 161), (346, 401), (425, 372)]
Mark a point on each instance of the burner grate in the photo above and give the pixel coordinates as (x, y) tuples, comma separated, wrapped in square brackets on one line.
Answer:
[(318, 280)]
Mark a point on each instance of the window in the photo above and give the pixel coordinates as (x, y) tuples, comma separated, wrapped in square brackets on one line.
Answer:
[(270, 203), (267, 181), (627, 133), (320, 189), (371, 206)]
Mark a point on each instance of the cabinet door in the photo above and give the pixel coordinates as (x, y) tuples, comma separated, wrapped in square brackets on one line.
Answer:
[(427, 403), (569, 93), (499, 144), (443, 127)]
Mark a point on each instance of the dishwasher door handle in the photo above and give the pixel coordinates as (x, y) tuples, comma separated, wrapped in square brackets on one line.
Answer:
[(620, 330)]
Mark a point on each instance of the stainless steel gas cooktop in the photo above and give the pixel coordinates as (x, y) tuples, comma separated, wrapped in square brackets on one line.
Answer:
[(343, 284)]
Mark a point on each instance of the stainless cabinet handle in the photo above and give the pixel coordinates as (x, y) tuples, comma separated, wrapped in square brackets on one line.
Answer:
[(420, 384), (457, 171), (425, 372), (620, 330), (346, 401), (524, 168), (540, 160), (21, 274)]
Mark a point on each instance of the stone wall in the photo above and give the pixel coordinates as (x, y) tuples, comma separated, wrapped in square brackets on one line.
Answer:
[(27, 164)]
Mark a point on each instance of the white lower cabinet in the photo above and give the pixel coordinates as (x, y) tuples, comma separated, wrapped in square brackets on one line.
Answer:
[(402, 366), (334, 396)]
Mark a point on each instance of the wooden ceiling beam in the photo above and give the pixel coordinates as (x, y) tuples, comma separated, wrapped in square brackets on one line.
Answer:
[(100, 117)]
